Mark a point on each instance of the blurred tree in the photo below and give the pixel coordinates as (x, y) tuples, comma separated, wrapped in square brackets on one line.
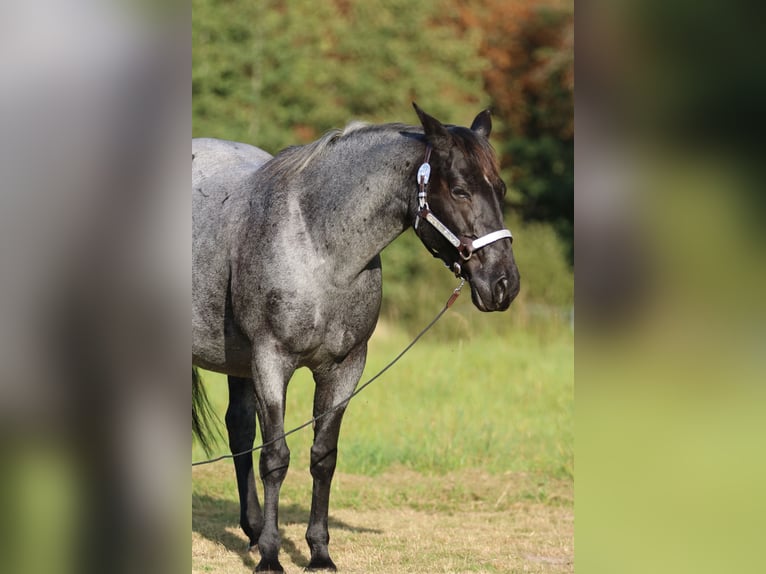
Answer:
[(275, 73), (530, 79), (281, 72)]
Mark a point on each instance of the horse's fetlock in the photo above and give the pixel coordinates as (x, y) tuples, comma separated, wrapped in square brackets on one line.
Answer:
[(317, 537), (269, 544), (251, 529)]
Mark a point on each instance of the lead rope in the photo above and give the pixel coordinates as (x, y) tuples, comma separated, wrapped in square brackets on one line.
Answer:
[(453, 297)]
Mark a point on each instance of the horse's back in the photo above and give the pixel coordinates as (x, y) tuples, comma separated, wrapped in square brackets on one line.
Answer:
[(210, 156), (221, 191)]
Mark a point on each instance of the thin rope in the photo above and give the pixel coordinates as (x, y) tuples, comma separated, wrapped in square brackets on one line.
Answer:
[(335, 407)]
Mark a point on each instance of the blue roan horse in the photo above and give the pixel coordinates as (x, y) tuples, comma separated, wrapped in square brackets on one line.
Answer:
[(287, 274)]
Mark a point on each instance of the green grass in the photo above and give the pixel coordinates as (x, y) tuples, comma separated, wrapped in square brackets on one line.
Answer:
[(460, 457), (498, 403)]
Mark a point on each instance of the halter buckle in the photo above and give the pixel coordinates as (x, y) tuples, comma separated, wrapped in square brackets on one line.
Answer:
[(424, 174)]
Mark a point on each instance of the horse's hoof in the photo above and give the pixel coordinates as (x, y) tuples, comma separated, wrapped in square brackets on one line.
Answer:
[(321, 564), (269, 566)]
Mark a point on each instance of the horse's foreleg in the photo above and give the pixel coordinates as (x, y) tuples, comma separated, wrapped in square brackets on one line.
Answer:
[(271, 375), (240, 424), (333, 385)]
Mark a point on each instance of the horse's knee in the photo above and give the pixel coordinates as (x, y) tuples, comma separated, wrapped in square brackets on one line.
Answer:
[(323, 464), (275, 459)]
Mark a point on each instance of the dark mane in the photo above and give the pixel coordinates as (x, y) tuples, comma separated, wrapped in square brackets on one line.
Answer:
[(477, 149), (296, 158)]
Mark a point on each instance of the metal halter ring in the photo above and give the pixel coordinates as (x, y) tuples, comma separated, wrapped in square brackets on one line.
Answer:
[(465, 250)]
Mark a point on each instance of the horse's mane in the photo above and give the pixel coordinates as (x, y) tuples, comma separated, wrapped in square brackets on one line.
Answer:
[(295, 159)]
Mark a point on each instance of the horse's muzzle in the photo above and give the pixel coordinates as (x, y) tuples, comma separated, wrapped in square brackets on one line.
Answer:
[(495, 295)]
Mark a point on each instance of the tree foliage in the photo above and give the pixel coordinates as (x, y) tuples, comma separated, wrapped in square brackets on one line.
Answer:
[(530, 79), (275, 73)]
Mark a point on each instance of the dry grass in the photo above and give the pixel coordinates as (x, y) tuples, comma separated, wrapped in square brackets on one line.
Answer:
[(400, 521), (409, 495)]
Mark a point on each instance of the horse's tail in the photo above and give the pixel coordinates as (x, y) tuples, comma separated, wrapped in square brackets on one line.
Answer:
[(203, 414)]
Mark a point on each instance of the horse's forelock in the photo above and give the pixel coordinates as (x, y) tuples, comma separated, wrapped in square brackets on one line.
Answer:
[(477, 150)]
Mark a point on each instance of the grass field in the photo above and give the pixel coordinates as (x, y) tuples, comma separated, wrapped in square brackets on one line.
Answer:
[(460, 459)]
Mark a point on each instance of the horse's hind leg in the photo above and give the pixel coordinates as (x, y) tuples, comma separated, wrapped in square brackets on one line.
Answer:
[(333, 384), (240, 424)]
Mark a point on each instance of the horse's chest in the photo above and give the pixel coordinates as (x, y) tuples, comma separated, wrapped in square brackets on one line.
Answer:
[(347, 325), (327, 325)]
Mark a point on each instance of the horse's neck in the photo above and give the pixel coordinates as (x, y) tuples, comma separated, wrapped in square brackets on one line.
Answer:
[(366, 201)]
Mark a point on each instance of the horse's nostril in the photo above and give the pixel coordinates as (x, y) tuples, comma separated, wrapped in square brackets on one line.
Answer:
[(500, 290)]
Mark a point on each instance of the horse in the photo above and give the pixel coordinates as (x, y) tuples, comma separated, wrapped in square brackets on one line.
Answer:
[(287, 274)]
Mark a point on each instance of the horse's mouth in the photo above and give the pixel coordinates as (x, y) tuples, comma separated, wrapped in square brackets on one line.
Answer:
[(486, 300), (477, 299)]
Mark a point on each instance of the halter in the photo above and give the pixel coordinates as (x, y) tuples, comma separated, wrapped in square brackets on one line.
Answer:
[(465, 247)]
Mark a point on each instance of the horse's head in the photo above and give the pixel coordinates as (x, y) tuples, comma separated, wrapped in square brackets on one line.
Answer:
[(465, 194)]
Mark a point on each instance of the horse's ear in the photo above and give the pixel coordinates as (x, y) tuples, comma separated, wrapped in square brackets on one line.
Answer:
[(432, 127), (482, 124)]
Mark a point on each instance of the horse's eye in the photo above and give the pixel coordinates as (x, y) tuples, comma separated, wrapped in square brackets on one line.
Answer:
[(460, 193)]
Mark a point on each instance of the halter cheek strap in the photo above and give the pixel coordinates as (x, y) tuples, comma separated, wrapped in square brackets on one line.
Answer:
[(465, 247)]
